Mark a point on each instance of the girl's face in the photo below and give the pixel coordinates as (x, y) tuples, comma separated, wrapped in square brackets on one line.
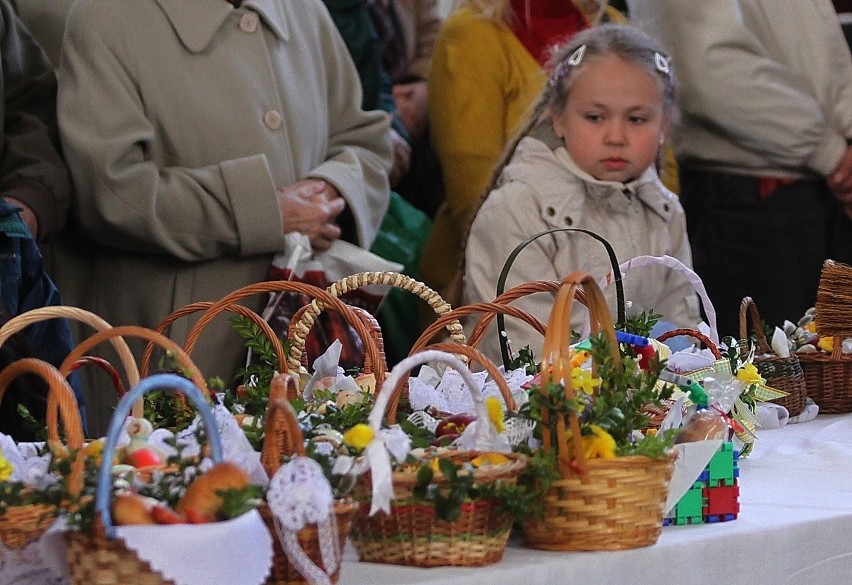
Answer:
[(613, 120)]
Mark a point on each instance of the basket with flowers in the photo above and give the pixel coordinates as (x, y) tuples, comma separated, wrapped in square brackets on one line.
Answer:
[(613, 480)]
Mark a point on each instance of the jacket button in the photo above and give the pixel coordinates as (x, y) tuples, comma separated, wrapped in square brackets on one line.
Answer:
[(272, 119), (666, 206), (550, 211), (568, 220), (249, 22)]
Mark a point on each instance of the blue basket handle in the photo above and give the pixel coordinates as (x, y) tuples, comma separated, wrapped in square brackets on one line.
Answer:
[(501, 282), (170, 383)]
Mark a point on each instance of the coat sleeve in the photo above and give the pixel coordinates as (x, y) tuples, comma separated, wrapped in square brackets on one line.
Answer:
[(32, 169), (359, 155), (125, 198), (467, 86), (427, 23), (726, 70)]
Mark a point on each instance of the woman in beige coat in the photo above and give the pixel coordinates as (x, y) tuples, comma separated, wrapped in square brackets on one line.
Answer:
[(199, 133)]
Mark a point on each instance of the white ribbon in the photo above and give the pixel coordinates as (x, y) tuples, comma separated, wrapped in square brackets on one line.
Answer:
[(387, 443)]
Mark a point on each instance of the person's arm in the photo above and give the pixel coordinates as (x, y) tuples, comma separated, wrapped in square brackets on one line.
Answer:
[(359, 155), (427, 20), (730, 82), (32, 172)]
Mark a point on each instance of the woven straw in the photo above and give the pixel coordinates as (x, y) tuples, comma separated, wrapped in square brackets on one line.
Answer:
[(694, 333), (282, 438), (190, 343), (125, 356), (599, 504), (828, 377), (781, 373), (411, 533), (20, 525), (98, 560)]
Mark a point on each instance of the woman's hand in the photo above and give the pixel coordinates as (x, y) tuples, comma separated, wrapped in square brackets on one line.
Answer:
[(311, 207)]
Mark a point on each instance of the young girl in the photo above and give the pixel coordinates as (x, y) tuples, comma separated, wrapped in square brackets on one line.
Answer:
[(585, 159)]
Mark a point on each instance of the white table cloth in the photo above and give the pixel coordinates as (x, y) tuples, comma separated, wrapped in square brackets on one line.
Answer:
[(794, 527)]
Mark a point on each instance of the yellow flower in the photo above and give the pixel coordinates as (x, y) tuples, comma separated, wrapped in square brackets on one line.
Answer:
[(582, 380), (599, 444), (749, 375), (810, 327), (826, 344), (579, 357), (358, 436), (489, 459), (6, 468), (495, 413)]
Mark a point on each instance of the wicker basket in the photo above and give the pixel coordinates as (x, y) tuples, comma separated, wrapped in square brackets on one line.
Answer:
[(782, 373), (100, 558), (283, 437), (411, 533), (828, 377), (598, 504), (20, 525)]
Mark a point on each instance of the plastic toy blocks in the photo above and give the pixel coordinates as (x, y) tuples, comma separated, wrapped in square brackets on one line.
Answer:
[(714, 497)]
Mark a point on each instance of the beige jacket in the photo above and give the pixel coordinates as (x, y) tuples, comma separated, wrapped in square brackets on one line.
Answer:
[(420, 21), (542, 189), (766, 86), (176, 148)]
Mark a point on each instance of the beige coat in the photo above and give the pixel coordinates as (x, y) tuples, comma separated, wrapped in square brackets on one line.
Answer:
[(420, 21), (179, 121), (542, 189)]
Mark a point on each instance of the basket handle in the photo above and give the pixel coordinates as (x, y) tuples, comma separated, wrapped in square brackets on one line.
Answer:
[(472, 354), (316, 293), (714, 349), (189, 345), (476, 308), (282, 434), (300, 325), (125, 355), (504, 274), (143, 333), (749, 309), (556, 358), (170, 383), (61, 402), (435, 301)]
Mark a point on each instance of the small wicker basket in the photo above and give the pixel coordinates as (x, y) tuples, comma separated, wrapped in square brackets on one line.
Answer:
[(598, 504), (282, 438), (411, 533), (22, 524), (782, 373), (828, 377)]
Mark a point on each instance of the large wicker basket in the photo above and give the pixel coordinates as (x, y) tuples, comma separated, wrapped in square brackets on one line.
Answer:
[(781, 373), (23, 524), (411, 533), (283, 438), (828, 377), (599, 504)]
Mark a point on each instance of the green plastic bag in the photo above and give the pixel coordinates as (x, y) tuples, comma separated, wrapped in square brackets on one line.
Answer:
[(400, 239)]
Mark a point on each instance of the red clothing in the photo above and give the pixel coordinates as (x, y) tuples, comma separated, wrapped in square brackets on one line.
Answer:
[(540, 24)]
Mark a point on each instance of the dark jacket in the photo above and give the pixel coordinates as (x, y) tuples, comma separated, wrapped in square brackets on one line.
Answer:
[(23, 286)]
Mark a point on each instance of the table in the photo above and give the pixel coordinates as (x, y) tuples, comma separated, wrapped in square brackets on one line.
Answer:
[(794, 527)]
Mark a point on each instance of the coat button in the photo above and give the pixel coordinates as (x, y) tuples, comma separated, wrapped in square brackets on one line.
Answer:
[(568, 220), (550, 211), (666, 206), (272, 119), (249, 22)]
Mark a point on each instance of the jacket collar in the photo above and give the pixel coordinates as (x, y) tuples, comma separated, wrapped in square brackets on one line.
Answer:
[(196, 21), (552, 173)]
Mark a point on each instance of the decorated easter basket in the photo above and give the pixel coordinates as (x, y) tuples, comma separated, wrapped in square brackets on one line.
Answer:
[(22, 524), (595, 504), (828, 376), (101, 556), (782, 373), (284, 439), (394, 526)]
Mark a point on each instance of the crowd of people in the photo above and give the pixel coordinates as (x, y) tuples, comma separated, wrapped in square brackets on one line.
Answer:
[(152, 175)]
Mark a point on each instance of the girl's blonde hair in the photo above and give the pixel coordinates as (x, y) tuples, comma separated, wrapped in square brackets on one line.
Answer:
[(565, 62)]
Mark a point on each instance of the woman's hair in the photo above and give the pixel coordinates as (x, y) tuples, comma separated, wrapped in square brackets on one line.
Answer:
[(565, 63)]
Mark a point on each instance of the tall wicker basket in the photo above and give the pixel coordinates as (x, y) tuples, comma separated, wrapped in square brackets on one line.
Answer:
[(598, 504), (781, 373), (828, 377)]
